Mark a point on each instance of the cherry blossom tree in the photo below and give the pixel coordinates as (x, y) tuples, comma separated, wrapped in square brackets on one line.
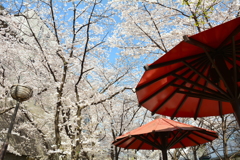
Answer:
[(153, 27), (81, 97)]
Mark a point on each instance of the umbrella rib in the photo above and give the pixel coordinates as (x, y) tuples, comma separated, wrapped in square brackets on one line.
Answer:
[(162, 104), (156, 134), (167, 85), (199, 103), (173, 141), (193, 140), (237, 47), (149, 134), (209, 140), (139, 137), (161, 143), (155, 93), (234, 64), (209, 133), (235, 32), (159, 78), (154, 66), (204, 96), (168, 74), (196, 84), (185, 97), (236, 68), (219, 73), (182, 144), (169, 97), (197, 43), (130, 143), (198, 108), (222, 91), (165, 101), (178, 139), (231, 62), (179, 106), (235, 72), (198, 92), (215, 136), (226, 48), (140, 145), (121, 141)]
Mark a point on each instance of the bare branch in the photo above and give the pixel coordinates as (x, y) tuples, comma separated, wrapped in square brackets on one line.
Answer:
[(6, 110)]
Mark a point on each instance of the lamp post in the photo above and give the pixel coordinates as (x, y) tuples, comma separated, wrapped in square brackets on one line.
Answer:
[(20, 93)]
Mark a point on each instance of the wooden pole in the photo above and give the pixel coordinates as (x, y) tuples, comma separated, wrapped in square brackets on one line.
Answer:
[(236, 107)]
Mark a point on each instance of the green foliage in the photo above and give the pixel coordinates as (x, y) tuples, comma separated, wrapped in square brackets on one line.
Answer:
[(201, 13)]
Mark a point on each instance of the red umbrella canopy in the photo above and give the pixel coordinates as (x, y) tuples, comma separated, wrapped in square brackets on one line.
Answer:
[(198, 77), (164, 134)]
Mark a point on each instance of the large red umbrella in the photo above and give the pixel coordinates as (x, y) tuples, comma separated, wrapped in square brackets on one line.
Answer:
[(197, 78), (164, 134)]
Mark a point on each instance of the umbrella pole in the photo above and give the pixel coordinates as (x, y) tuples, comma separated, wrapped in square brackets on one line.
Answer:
[(164, 138), (236, 108), (164, 154)]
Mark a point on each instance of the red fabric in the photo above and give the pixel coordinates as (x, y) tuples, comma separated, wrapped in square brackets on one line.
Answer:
[(160, 125), (167, 101)]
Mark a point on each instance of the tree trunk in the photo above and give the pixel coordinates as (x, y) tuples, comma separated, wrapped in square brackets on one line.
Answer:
[(112, 153), (116, 153), (225, 145), (76, 145), (195, 154)]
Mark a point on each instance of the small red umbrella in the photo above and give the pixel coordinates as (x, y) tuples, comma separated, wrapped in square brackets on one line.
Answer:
[(197, 78), (164, 134)]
